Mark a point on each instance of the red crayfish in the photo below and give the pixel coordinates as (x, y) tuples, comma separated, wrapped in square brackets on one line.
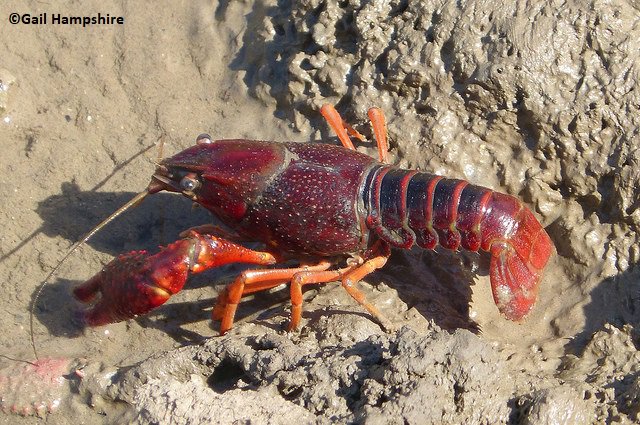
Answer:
[(333, 210)]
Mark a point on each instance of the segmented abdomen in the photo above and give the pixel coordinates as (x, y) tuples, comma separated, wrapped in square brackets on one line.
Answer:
[(406, 207)]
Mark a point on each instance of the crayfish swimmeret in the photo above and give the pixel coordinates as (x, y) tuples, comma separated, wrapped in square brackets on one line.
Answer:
[(334, 211)]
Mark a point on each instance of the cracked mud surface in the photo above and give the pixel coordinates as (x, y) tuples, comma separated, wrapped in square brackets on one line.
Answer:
[(535, 100)]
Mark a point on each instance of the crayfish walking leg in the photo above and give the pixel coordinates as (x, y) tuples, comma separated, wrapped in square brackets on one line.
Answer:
[(251, 281), (136, 282)]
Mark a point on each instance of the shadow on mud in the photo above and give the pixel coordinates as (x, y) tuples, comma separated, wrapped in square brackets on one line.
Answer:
[(158, 220), (436, 283), (615, 300)]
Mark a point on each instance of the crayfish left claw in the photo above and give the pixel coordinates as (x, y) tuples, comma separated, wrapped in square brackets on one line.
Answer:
[(135, 283)]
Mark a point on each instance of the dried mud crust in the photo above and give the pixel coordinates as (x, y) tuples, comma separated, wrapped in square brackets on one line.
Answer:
[(430, 377)]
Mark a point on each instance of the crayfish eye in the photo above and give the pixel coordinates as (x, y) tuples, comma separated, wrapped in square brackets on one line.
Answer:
[(189, 184), (203, 139)]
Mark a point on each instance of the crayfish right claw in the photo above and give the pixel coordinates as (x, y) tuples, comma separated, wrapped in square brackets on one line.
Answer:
[(135, 283), (123, 289)]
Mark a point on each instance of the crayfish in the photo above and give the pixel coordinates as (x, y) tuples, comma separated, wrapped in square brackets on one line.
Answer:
[(333, 211)]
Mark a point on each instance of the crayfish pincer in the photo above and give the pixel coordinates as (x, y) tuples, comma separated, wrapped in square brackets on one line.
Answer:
[(332, 211), (136, 282)]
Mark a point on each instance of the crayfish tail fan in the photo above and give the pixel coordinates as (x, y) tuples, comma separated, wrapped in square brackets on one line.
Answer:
[(517, 265)]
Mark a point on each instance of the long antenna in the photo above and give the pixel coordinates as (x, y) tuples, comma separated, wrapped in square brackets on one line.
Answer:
[(133, 202)]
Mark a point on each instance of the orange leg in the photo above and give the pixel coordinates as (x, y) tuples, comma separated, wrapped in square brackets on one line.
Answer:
[(344, 130), (380, 133), (340, 127), (251, 281), (306, 278), (352, 277)]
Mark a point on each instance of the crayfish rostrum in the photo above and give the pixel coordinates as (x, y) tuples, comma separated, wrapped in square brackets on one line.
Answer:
[(333, 210)]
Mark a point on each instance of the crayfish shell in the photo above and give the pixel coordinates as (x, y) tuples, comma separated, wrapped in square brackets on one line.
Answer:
[(34, 389)]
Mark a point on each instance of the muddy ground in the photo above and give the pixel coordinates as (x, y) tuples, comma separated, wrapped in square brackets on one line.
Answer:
[(538, 100)]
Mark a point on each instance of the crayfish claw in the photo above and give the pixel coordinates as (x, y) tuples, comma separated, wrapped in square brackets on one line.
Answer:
[(123, 289), (136, 282), (88, 290)]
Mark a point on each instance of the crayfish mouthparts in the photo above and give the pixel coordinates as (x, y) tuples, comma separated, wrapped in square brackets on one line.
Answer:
[(180, 181), (159, 182)]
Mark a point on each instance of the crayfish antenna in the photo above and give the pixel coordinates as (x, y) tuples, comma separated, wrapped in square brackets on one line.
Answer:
[(132, 203)]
